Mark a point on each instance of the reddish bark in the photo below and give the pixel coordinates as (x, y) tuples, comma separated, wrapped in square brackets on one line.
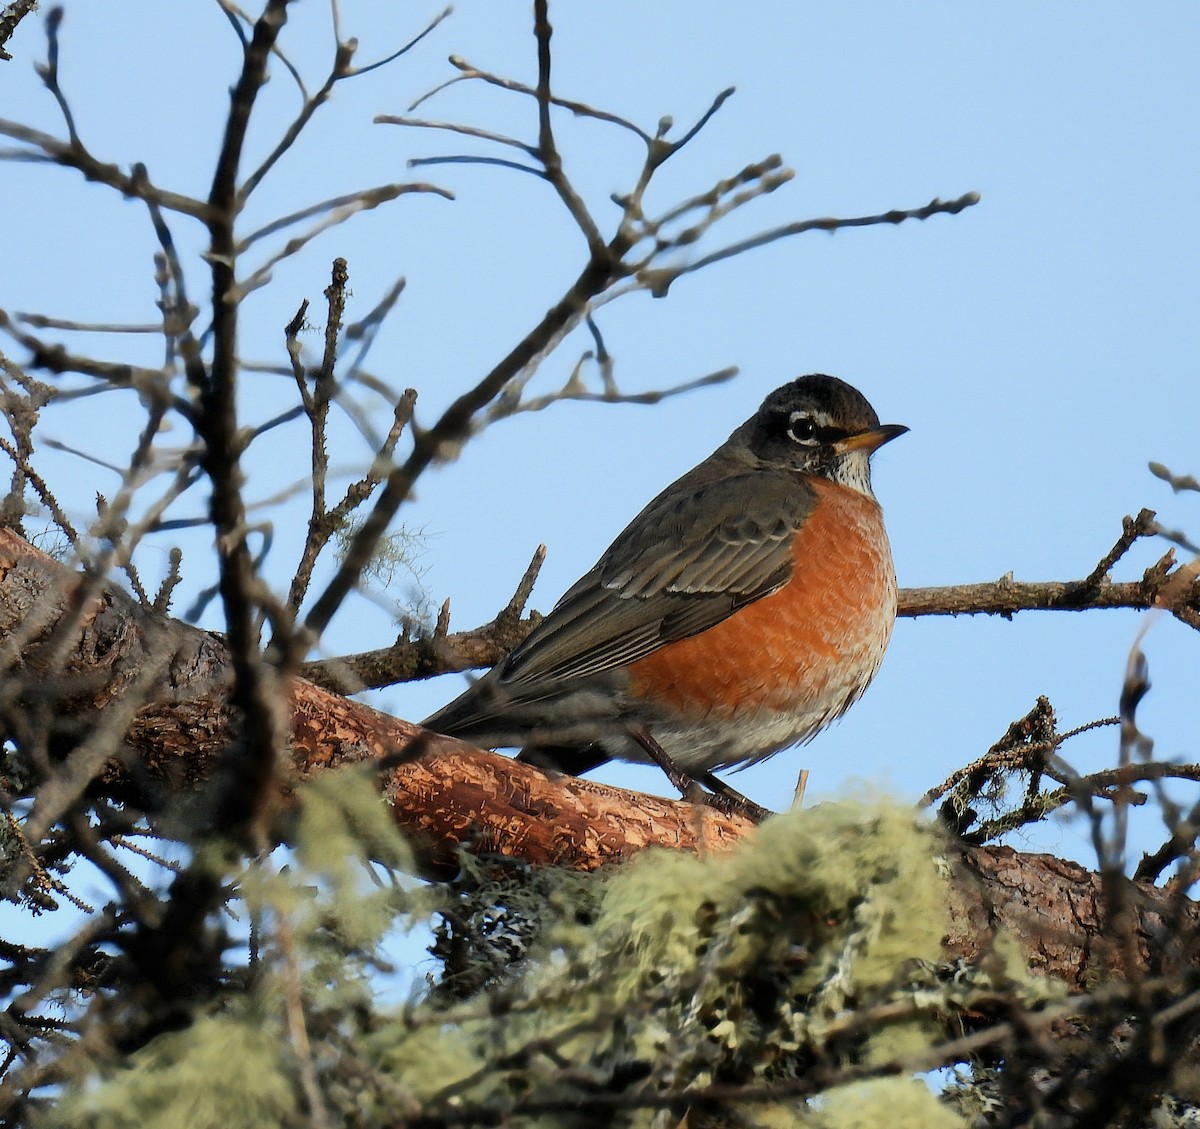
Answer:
[(454, 795)]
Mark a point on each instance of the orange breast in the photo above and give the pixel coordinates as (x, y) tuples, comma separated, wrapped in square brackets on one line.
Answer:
[(808, 649)]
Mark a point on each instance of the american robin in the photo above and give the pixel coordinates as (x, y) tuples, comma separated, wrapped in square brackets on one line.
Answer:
[(744, 609)]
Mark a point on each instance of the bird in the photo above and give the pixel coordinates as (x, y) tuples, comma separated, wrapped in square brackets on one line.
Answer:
[(740, 612)]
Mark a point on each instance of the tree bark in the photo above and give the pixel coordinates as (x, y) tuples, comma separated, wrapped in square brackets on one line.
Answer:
[(80, 646)]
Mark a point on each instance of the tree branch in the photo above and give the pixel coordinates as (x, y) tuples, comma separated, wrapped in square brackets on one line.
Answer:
[(1006, 597), (447, 795), (12, 15), (76, 156), (1163, 585), (254, 688)]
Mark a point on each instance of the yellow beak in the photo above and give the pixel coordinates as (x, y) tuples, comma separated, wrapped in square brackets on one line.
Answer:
[(870, 440)]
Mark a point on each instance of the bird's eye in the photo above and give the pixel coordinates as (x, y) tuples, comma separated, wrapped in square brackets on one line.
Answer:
[(801, 428)]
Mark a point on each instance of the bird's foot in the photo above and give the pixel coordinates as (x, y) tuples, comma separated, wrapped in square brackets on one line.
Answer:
[(737, 803), (720, 796)]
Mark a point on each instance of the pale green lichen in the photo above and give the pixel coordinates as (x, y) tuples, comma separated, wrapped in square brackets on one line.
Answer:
[(675, 971), (899, 1103), (224, 1073), (856, 886)]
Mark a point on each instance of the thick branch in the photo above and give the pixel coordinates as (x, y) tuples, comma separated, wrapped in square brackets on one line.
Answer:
[(454, 795)]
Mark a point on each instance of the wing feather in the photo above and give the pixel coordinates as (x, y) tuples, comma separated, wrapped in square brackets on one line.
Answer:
[(689, 560)]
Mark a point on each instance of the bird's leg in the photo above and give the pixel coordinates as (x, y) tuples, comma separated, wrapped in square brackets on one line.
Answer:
[(687, 785), (741, 803), (721, 796)]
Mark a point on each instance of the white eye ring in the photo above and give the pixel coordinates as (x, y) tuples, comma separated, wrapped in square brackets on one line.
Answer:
[(802, 428)]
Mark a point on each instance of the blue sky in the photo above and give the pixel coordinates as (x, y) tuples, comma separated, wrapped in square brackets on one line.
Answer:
[(1042, 346)]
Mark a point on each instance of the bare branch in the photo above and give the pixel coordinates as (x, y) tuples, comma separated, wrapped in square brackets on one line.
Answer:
[(358, 492), (12, 15), (547, 148), (340, 69), (1177, 483), (339, 210), (366, 329), (255, 694), (316, 407), (409, 659), (42, 490), (178, 312), (770, 170), (511, 613), (76, 156), (454, 425), (1006, 597), (659, 281), (162, 598), (574, 390), (42, 321), (1161, 586), (22, 408), (363, 200), (56, 359), (464, 159), (580, 109), (704, 118), (454, 127), (48, 72), (1131, 529), (444, 14)]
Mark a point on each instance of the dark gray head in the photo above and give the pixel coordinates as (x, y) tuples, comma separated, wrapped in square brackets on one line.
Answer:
[(818, 425)]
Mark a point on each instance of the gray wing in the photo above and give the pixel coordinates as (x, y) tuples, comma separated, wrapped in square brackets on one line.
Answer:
[(702, 549)]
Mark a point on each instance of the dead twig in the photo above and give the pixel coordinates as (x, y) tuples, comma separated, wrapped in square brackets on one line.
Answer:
[(12, 15)]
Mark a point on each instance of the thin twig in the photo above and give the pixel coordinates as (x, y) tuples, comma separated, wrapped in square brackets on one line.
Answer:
[(1131, 529), (454, 127), (178, 317), (659, 281), (357, 202), (515, 607), (1177, 483), (581, 109), (350, 204), (367, 329), (572, 390), (43, 492), (442, 15), (13, 14), (343, 54), (464, 159), (42, 321), (48, 72), (316, 407), (547, 147), (162, 598), (293, 993), (76, 156), (56, 359)]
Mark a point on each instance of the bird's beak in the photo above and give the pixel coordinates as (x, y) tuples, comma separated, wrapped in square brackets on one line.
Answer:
[(870, 440)]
